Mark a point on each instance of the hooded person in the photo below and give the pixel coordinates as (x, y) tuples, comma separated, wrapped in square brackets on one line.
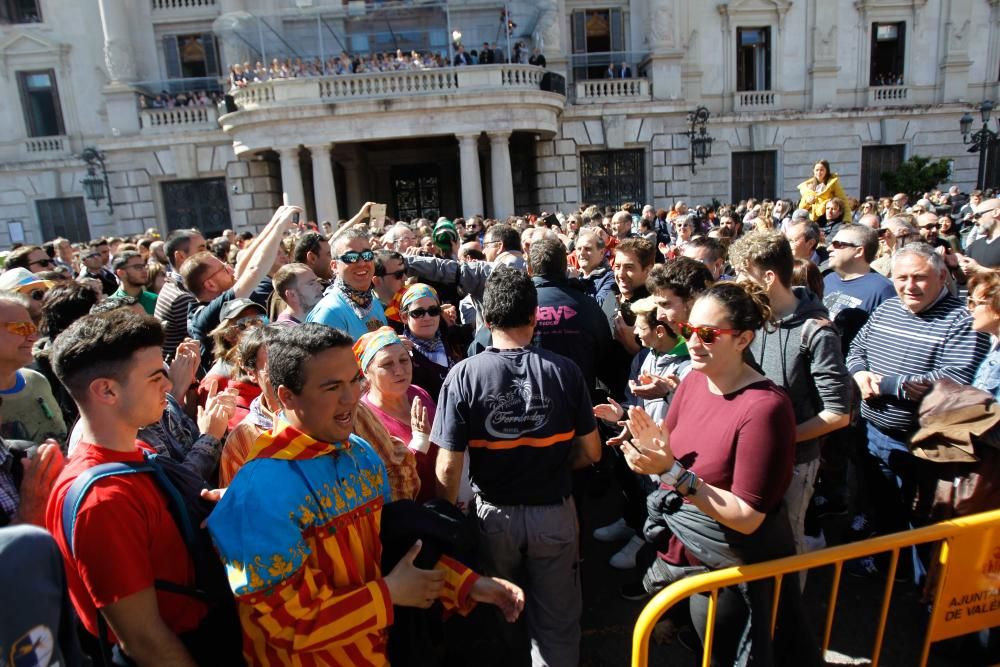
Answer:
[(799, 351)]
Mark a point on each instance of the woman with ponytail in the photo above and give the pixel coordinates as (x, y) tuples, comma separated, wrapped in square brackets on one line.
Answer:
[(724, 456)]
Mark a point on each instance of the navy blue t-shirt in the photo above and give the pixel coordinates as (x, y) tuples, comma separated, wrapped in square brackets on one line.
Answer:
[(850, 302), (517, 411)]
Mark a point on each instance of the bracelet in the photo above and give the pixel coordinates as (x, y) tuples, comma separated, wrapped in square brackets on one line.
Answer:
[(690, 483), (672, 476)]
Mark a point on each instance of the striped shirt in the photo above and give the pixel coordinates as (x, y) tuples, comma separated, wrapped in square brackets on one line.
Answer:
[(902, 346), (172, 308)]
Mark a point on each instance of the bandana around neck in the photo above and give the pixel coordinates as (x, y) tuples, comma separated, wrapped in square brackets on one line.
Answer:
[(429, 347), (360, 300), (287, 443)]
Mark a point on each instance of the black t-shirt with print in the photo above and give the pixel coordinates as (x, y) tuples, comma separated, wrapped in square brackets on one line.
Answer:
[(517, 411)]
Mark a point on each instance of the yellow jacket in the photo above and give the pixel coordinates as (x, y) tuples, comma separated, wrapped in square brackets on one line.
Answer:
[(815, 202)]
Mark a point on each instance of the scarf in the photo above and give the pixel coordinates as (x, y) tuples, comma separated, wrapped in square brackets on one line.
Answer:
[(287, 443), (260, 415), (360, 300), (432, 349)]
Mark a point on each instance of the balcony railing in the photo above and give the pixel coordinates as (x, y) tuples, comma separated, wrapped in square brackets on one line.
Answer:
[(599, 91), (376, 85), (888, 95), (757, 100), (181, 5), (44, 148), (178, 119)]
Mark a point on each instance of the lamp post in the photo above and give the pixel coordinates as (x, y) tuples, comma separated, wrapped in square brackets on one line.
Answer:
[(701, 142), (982, 140), (94, 186)]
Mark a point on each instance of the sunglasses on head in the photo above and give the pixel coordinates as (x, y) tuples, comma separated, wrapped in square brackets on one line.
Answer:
[(418, 313), (24, 329), (706, 334), (355, 257)]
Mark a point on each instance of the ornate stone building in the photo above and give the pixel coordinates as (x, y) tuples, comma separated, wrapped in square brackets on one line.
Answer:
[(861, 83)]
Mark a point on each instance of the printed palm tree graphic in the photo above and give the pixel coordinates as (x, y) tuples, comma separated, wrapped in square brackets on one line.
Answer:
[(523, 387)]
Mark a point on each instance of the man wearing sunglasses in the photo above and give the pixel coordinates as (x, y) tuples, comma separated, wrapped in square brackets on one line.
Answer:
[(349, 303), (929, 226), (852, 291), (215, 283), (896, 233), (984, 253), (390, 283), (93, 264), (30, 257), (133, 272)]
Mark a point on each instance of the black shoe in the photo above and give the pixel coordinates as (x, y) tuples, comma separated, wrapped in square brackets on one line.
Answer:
[(634, 591)]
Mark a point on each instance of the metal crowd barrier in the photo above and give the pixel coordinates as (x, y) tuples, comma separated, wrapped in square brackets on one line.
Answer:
[(966, 568)]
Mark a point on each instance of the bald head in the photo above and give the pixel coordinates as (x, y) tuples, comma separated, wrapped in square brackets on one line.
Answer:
[(870, 220)]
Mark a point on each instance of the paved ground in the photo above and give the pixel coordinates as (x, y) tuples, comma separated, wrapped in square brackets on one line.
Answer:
[(608, 620)]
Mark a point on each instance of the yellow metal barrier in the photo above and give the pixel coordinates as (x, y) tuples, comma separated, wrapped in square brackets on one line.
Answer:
[(967, 598)]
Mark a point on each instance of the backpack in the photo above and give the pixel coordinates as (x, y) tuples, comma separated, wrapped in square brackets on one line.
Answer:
[(182, 489)]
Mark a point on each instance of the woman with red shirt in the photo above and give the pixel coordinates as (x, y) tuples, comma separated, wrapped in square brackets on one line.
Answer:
[(724, 456)]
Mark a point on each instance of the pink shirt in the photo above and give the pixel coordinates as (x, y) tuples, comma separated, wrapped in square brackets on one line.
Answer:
[(401, 430)]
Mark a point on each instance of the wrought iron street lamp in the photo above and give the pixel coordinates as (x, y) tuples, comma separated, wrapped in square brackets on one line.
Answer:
[(982, 141), (94, 186), (701, 142)]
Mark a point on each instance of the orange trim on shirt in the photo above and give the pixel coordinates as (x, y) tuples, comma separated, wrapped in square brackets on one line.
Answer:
[(523, 442)]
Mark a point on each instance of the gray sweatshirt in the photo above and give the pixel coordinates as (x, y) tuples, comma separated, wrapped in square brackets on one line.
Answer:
[(815, 379)]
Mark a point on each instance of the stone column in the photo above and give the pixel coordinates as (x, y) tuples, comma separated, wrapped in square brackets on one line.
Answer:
[(118, 56), (291, 176), (472, 186), (324, 189), (119, 98), (502, 178)]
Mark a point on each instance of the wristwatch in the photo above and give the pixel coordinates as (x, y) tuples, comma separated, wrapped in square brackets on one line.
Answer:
[(672, 476), (690, 482)]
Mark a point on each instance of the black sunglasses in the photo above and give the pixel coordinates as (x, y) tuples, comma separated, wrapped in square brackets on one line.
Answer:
[(976, 216), (418, 313), (355, 257), (42, 262), (839, 245), (398, 275)]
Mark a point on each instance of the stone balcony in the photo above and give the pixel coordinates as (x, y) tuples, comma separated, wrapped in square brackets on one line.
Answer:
[(756, 100), (602, 91), (880, 96), (390, 105), (179, 119), (34, 149), (183, 10)]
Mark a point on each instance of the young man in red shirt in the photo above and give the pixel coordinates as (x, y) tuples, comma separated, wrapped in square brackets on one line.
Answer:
[(125, 537)]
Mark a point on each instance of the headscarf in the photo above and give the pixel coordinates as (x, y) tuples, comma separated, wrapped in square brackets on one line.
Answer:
[(416, 292), (434, 348), (369, 345), (445, 233)]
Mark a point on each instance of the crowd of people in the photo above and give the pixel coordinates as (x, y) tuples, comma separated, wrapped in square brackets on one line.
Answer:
[(241, 74), (331, 444)]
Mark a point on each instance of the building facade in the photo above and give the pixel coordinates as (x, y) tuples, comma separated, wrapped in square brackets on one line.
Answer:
[(863, 84)]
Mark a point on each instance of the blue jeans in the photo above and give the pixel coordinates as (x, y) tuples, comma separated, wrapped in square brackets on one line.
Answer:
[(892, 487)]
